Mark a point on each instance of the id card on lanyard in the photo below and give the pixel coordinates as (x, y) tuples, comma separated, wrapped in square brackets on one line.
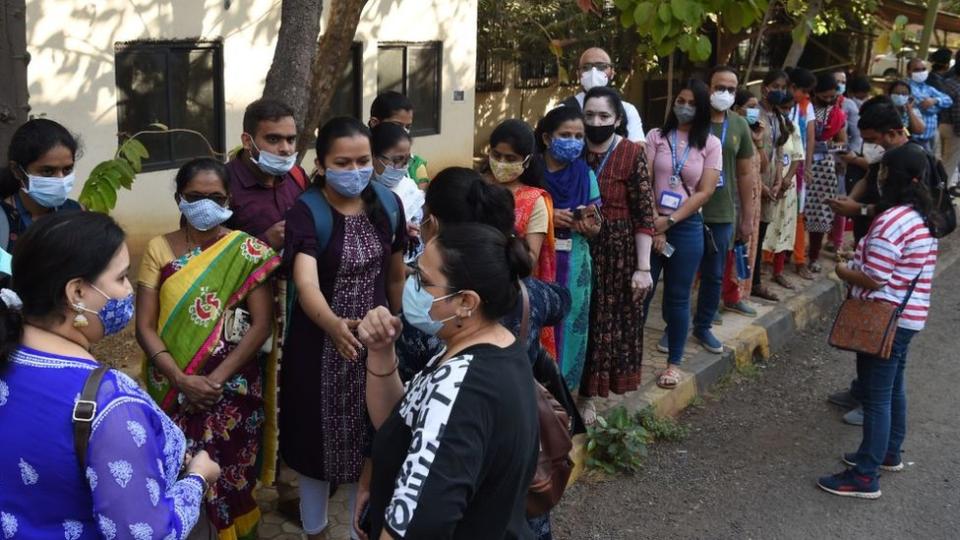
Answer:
[(723, 139), (606, 157)]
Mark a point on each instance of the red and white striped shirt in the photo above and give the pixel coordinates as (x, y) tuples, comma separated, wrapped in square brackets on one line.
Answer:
[(895, 251)]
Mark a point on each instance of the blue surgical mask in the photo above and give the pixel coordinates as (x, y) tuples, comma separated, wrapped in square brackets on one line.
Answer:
[(753, 115), (273, 164), (115, 315), (685, 113), (900, 100), (841, 88), (204, 214), (49, 192), (566, 150), (349, 183), (776, 97), (417, 302), (391, 176)]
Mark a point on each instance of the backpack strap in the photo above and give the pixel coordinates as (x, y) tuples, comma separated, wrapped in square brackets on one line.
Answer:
[(322, 217), (525, 313), (300, 177), (389, 202), (84, 411)]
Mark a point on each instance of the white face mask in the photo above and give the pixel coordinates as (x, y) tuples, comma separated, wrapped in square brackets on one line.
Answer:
[(592, 79), (722, 100), (873, 153), (920, 76)]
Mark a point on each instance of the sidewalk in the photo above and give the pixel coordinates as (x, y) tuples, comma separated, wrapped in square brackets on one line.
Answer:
[(746, 340)]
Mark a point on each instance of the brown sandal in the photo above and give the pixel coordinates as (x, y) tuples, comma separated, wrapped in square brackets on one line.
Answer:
[(805, 273), (761, 291), (780, 280)]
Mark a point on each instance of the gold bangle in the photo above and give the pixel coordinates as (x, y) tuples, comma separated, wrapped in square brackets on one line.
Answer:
[(396, 364), (158, 353)]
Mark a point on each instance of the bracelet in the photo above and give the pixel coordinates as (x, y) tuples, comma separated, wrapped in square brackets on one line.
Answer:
[(203, 481), (158, 353), (643, 270), (396, 364)]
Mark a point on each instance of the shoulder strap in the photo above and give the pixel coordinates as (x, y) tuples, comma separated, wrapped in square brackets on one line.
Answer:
[(910, 288), (525, 313), (322, 218), (4, 228), (299, 176), (389, 202), (84, 411)]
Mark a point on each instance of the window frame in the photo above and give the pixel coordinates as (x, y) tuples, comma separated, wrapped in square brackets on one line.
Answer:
[(356, 61), (437, 45), (168, 46)]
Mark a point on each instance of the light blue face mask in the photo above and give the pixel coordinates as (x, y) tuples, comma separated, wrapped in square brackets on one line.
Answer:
[(753, 115), (841, 88), (49, 192), (900, 100), (273, 164), (349, 183), (417, 302), (391, 176), (204, 214)]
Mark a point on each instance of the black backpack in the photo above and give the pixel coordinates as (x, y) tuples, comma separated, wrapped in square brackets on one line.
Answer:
[(942, 218)]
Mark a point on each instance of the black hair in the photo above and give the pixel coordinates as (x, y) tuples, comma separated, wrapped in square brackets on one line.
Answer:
[(483, 259), (825, 82), (858, 84), (700, 128), (722, 68), (265, 109), (193, 167), (385, 136), (940, 58), (338, 128), (521, 139), (879, 114), (29, 143), (387, 103), (907, 179), (459, 195), (775, 75), (616, 103), (742, 97), (802, 78), (56, 249), (900, 82), (552, 122)]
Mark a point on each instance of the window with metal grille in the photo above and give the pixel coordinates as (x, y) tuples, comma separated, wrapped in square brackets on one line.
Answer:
[(413, 69), (175, 83)]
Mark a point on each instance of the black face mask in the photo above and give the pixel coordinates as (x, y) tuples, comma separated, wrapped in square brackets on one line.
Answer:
[(599, 134)]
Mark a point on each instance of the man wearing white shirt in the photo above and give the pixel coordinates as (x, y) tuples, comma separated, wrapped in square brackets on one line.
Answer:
[(596, 69)]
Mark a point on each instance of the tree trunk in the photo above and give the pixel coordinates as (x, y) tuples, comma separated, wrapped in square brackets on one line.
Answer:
[(933, 6), (332, 55), (14, 104), (758, 40), (294, 55), (796, 47)]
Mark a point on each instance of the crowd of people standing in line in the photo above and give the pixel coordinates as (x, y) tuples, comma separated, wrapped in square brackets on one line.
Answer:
[(411, 316)]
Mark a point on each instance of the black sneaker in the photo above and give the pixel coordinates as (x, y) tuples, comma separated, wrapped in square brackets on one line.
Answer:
[(844, 399), (850, 460), (850, 484)]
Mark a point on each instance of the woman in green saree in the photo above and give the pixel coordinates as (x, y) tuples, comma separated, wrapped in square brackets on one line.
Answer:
[(202, 319)]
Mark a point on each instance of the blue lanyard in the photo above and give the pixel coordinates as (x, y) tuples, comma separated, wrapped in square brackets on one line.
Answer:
[(603, 162), (723, 132), (678, 166)]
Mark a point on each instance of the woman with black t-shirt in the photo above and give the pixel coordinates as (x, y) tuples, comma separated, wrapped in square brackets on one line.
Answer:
[(456, 449)]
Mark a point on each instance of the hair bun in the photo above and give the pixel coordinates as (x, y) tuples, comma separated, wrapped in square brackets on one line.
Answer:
[(518, 257)]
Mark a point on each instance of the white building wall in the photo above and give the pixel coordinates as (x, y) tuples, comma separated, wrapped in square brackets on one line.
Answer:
[(72, 78)]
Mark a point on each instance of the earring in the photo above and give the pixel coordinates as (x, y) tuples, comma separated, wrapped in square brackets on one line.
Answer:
[(80, 320), (459, 321)]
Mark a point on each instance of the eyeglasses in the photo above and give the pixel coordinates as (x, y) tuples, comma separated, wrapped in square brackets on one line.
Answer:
[(599, 66), (399, 162), (420, 282), (727, 89), (218, 198)]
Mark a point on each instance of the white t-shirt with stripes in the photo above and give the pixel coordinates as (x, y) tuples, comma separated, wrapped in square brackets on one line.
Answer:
[(894, 252)]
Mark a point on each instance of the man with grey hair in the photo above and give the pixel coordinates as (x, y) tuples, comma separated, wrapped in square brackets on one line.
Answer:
[(596, 69)]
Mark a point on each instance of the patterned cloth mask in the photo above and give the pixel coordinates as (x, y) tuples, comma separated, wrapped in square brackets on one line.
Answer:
[(115, 315)]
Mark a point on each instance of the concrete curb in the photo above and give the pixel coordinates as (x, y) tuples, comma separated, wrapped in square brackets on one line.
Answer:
[(767, 335)]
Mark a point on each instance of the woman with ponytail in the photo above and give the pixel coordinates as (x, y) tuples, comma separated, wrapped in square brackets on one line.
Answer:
[(125, 476), (472, 411)]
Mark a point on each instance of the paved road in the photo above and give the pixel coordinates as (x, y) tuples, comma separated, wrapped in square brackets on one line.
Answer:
[(749, 467)]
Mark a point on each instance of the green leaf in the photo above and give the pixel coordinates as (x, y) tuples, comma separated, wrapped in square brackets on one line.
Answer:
[(643, 13), (626, 19), (108, 193), (681, 10), (158, 125), (703, 48), (664, 12), (733, 17), (901, 20)]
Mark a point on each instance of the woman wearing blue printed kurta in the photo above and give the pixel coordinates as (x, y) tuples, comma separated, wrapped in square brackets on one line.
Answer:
[(575, 192), (71, 271)]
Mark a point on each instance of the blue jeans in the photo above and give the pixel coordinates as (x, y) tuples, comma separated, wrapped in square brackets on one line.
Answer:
[(686, 237), (884, 396), (711, 276)]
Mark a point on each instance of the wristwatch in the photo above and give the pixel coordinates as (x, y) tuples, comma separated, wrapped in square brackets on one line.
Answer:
[(670, 222), (864, 210)]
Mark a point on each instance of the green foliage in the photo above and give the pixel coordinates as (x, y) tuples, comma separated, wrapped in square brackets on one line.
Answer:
[(662, 428), (617, 443), (672, 25), (99, 192)]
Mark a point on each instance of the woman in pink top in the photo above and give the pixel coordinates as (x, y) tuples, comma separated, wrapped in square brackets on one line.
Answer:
[(686, 163)]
